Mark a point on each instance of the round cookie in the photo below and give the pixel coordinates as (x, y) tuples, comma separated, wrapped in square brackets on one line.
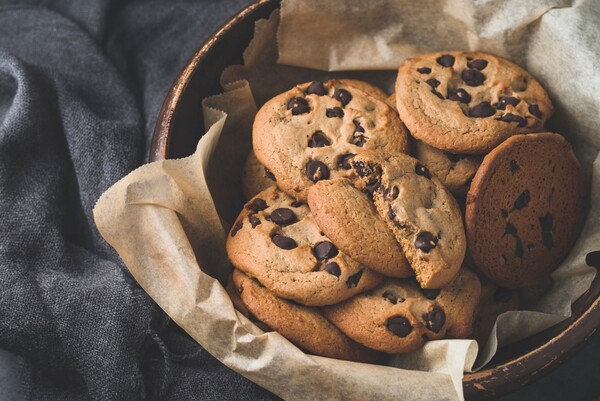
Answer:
[(468, 102), (308, 133), (302, 325), (393, 318), (256, 178), (239, 304), (525, 209), (276, 240), (454, 171), (348, 217), (422, 214), (460, 300)]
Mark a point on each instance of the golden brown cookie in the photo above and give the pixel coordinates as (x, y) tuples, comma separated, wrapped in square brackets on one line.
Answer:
[(302, 325), (276, 240), (525, 209), (394, 318), (468, 102), (308, 133), (348, 217), (454, 171), (422, 214)]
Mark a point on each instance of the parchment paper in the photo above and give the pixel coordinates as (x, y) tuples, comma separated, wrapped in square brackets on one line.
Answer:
[(168, 220)]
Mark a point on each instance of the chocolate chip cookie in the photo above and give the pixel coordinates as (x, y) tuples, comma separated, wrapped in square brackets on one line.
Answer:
[(302, 325), (468, 102), (348, 217), (525, 209), (308, 133), (394, 318), (276, 240), (422, 214), (455, 171), (494, 302)]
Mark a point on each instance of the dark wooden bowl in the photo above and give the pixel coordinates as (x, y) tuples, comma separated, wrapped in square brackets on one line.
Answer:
[(180, 126)]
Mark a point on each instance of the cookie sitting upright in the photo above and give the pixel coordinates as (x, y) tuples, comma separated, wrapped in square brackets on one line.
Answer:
[(468, 102), (308, 133)]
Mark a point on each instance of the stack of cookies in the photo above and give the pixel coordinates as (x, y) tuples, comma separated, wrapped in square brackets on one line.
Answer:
[(363, 209)]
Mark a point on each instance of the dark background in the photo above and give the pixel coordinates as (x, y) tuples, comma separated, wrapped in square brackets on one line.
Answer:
[(81, 85)]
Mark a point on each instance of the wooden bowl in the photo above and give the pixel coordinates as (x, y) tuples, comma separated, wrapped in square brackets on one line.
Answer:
[(180, 126)]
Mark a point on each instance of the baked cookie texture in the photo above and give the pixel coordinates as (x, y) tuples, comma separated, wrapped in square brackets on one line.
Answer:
[(276, 240), (455, 171), (525, 208), (308, 133), (256, 177), (302, 325), (348, 217), (394, 318), (424, 217), (468, 102)]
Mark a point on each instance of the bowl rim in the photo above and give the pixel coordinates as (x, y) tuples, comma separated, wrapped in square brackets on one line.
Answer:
[(486, 383)]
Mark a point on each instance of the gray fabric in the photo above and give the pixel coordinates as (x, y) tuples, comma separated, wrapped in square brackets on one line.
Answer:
[(81, 84)]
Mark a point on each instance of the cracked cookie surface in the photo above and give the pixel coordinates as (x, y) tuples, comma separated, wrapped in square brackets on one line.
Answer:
[(302, 325), (308, 133), (424, 217), (468, 102), (525, 209), (348, 217), (276, 240)]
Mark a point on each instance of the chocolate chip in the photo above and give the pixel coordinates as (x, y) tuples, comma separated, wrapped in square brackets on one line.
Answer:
[(298, 105), (316, 88), (434, 83), (506, 100), (518, 247), (372, 186), (254, 220), (546, 222), (472, 77), (426, 241), (344, 161), (547, 239), (454, 158), (318, 140), (523, 200), (459, 95), (483, 109), (513, 165), (535, 110), (335, 112), (446, 60), (392, 297), (510, 230), (325, 250), (399, 325), (513, 118), (269, 174), (431, 294), (284, 242), (435, 320), (364, 170), (393, 194), (354, 279), (357, 126), (438, 94), (423, 70), (504, 213), (502, 294), (478, 64), (333, 269), (283, 216), (422, 170), (343, 96), (358, 140), (297, 204), (257, 205), (316, 171), (236, 228), (592, 259)]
